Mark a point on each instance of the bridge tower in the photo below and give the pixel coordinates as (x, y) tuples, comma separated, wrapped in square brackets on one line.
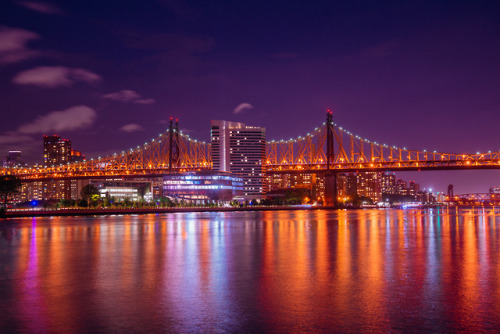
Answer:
[(330, 175), (173, 154)]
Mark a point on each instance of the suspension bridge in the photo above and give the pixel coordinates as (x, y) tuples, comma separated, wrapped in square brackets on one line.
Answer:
[(328, 148)]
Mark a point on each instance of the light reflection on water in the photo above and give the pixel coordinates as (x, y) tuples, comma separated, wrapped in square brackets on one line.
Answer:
[(275, 271)]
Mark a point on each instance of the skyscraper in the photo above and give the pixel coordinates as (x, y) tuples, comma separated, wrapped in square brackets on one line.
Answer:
[(56, 150), (241, 150)]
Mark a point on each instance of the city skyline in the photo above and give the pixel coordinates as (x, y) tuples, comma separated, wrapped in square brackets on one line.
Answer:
[(106, 76)]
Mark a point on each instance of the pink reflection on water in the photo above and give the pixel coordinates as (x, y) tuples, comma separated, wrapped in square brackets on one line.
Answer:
[(31, 306)]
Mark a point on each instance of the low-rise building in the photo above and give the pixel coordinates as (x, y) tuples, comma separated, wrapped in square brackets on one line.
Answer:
[(203, 187)]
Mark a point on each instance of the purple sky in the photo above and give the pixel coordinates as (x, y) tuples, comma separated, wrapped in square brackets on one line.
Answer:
[(108, 74)]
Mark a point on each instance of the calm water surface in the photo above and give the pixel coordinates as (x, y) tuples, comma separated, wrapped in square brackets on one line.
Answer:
[(433, 270)]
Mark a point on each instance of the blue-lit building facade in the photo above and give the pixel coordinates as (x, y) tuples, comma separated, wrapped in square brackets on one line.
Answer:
[(203, 187)]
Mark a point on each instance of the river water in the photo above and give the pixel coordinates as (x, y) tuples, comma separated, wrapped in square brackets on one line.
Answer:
[(434, 270)]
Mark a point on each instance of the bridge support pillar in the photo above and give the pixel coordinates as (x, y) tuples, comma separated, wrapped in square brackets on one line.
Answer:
[(331, 189)]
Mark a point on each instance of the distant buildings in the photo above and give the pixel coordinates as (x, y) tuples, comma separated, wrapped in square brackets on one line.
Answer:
[(76, 156), (369, 185), (241, 150), (56, 150), (238, 155), (12, 159), (388, 183), (495, 190), (376, 186)]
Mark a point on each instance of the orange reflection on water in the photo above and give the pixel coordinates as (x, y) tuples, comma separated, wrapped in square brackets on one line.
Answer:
[(283, 271)]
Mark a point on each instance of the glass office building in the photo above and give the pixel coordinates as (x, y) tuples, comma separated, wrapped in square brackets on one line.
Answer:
[(202, 187)]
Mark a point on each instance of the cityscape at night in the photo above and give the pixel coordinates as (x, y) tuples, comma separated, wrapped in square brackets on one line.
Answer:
[(246, 166)]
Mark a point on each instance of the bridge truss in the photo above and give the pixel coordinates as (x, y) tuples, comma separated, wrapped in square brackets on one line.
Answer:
[(328, 148), (333, 148), (170, 151)]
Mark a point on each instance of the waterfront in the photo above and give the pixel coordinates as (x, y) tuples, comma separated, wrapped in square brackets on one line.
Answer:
[(271, 271)]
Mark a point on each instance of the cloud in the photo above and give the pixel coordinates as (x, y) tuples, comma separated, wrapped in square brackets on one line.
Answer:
[(14, 45), (145, 101), (242, 107), (131, 128), (54, 76), (14, 138), (128, 96), (42, 7), (73, 118)]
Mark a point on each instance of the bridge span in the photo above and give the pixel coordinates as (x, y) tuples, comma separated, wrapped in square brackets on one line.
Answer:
[(328, 148)]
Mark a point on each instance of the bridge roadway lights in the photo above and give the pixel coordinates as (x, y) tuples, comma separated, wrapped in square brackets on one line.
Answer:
[(331, 189)]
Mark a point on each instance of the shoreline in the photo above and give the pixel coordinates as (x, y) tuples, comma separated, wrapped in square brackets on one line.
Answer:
[(103, 212)]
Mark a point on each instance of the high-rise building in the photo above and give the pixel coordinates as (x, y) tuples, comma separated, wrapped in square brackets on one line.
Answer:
[(56, 150), (369, 185), (413, 189), (241, 150), (401, 188), (388, 182), (346, 185)]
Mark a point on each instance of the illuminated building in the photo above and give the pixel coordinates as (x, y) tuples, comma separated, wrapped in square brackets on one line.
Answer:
[(401, 188), (201, 187), (50, 190), (368, 185), (346, 185), (56, 150), (56, 190), (120, 190), (425, 197), (76, 156), (388, 183), (495, 190), (413, 189), (241, 150), (312, 181)]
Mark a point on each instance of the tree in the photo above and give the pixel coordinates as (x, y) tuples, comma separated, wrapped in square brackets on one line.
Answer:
[(9, 185), (87, 193)]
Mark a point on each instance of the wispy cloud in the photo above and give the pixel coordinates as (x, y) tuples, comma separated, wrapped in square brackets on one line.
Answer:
[(14, 138), (42, 7), (14, 45), (54, 76), (73, 118), (131, 128), (128, 96), (242, 107)]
